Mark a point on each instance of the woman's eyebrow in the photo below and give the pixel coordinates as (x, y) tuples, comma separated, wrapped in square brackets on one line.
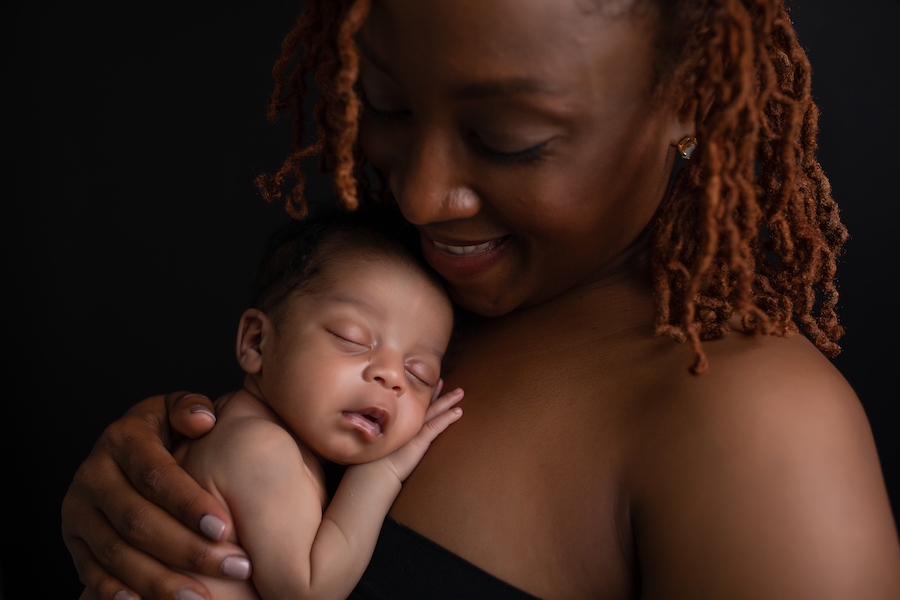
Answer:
[(506, 86), (510, 86)]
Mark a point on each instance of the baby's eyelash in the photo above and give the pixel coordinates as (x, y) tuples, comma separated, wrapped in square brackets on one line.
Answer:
[(419, 379), (346, 340)]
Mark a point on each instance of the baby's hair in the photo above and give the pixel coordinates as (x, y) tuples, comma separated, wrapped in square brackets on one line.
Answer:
[(749, 230), (298, 252)]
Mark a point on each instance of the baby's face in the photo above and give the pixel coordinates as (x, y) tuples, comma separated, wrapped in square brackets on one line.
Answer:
[(352, 366)]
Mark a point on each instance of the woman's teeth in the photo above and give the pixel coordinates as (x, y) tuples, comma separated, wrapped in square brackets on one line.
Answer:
[(463, 249)]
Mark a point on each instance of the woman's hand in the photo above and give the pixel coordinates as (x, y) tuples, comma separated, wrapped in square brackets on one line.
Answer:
[(131, 510)]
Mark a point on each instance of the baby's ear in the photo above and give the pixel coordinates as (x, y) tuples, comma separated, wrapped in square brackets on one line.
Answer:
[(253, 328)]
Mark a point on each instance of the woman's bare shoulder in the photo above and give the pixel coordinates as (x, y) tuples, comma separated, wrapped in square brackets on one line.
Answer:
[(761, 476), (773, 376)]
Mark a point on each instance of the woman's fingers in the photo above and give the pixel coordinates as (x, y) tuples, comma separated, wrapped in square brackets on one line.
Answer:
[(133, 444), (106, 559), (155, 532), (191, 415), (118, 535), (99, 584), (149, 578)]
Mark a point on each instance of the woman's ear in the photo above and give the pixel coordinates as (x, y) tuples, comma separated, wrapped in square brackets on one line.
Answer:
[(688, 107), (684, 115), (254, 327)]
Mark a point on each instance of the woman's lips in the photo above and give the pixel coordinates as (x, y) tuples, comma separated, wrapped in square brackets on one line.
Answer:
[(460, 250), (460, 259)]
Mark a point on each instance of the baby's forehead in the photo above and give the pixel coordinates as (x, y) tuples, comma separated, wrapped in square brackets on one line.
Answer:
[(390, 293), (350, 271)]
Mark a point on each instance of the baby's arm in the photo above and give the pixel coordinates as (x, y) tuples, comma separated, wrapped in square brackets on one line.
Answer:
[(295, 550)]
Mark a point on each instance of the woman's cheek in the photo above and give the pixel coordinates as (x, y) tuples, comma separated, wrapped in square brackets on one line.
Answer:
[(368, 143), (378, 144)]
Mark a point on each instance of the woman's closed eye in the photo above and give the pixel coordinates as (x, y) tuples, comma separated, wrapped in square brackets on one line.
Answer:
[(386, 113), (526, 155), (495, 148)]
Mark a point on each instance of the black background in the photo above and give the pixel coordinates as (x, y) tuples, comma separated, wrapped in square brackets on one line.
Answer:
[(131, 136)]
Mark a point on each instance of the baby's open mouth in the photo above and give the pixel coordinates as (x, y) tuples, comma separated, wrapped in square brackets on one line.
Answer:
[(369, 421)]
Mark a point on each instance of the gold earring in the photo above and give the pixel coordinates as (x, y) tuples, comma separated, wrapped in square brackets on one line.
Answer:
[(687, 146)]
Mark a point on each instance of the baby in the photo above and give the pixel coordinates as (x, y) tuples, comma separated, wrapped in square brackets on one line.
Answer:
[(342, 353)]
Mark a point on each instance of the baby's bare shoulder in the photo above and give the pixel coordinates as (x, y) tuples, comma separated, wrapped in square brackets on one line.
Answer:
[(248, 439)]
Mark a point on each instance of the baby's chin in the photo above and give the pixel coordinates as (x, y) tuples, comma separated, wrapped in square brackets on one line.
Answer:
[(352, 456)]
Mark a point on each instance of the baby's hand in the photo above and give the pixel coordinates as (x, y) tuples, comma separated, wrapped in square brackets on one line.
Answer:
[(440, 414)]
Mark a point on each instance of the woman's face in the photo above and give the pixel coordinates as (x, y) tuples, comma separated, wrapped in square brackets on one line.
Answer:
[(520, 136)]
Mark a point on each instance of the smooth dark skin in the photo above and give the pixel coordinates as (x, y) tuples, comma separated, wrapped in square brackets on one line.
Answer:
[(587, 449)]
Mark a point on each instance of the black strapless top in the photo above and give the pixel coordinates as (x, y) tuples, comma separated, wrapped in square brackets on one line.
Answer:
[(407, 565)]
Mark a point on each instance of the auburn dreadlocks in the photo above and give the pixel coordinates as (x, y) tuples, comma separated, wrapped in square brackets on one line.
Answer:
[(749, 230)]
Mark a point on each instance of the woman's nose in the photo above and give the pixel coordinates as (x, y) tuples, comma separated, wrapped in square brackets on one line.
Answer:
[(430, 186), (386, 369)]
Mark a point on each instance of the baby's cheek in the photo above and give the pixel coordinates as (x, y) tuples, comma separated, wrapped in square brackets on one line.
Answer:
[(415, 422)]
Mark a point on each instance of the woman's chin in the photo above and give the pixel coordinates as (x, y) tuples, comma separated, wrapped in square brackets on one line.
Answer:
[(479, 301)]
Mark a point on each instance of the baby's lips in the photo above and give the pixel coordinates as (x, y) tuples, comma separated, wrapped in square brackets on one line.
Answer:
[(369, 421)]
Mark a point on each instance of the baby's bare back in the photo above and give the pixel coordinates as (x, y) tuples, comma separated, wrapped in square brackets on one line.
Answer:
[(241, 419)]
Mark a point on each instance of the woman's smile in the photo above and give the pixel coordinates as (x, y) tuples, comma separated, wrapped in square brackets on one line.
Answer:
[(457, 260)]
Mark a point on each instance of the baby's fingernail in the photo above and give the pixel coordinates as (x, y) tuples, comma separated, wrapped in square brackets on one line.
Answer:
[(123, 595), (236, 567), (200, 409), (186, 594), (212, 527)]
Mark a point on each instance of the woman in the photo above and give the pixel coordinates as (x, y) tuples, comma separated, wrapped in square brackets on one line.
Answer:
[(531, 143)]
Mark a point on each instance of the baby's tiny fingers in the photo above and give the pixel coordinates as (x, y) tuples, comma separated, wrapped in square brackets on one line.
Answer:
[(443, 403), (437, 425)]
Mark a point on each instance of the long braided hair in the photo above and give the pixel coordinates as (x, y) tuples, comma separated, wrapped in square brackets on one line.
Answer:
[(749, 231)]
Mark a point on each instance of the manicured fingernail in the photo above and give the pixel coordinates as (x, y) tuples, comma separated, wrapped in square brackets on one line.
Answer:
[(200, 409), (186, 594), (123, 595), (212, 527), (236, 567)]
